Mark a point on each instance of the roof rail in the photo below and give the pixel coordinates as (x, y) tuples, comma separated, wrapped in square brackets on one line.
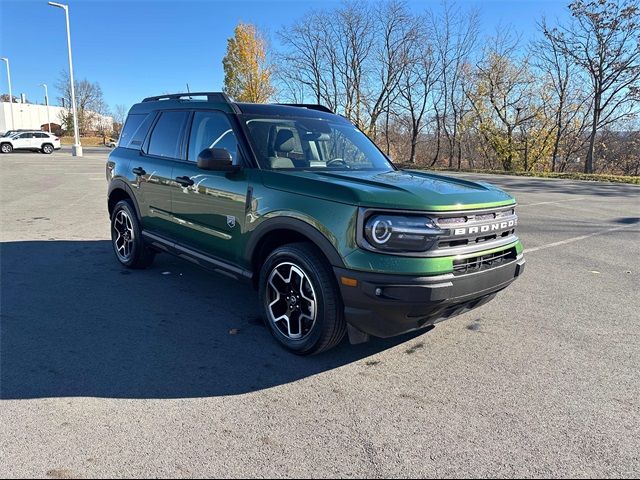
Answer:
[(211, 96), (310, 106)]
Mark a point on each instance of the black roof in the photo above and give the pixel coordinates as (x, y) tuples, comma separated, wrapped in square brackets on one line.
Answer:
[(221, 101), (285, 110), (210, 96)]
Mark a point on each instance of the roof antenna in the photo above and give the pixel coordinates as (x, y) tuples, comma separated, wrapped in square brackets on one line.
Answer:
[(189, 91)]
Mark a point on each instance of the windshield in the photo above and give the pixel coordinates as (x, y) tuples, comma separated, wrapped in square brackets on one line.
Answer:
[(293, 143)]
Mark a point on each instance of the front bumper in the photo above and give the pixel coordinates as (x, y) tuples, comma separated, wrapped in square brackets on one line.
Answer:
[(385, 305)]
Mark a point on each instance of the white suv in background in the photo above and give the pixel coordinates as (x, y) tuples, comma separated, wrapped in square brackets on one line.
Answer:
[(35, 140)]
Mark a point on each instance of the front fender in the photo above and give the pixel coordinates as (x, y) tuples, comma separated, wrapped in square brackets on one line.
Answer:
[(322, 237)]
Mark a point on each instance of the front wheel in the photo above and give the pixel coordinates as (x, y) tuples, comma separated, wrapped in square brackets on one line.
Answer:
[(6, 148), (301, 300), (126, 237)]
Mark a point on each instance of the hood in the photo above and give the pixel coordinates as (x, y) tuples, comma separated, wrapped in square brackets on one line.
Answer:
[(397, 189)]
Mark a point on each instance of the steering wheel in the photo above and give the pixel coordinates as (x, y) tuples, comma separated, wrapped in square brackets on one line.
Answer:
[(338, 160)]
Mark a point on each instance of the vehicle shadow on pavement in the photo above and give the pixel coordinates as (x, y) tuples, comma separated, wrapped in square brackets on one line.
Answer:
[(75, 323)]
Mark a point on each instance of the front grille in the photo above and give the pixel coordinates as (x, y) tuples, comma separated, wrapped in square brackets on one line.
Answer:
[(471, 230), (483, 262), (475, 240)]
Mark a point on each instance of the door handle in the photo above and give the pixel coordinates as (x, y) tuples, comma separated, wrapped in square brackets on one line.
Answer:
[(139, 171), (184, 181)]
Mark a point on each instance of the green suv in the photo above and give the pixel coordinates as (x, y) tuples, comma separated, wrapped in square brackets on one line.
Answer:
[(297, 201)]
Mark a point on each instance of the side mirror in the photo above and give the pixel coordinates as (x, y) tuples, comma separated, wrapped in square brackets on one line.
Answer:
[(218, 159)]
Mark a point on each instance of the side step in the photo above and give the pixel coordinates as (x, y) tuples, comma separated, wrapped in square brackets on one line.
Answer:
[(199, 258)]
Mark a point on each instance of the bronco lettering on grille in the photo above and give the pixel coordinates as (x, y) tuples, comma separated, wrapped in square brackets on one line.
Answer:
[(490, 227)]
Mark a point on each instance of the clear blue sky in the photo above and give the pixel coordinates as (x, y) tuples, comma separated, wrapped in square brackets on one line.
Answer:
[(142, 47)]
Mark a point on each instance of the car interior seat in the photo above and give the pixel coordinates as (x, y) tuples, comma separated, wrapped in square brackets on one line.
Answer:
[(284, 142)]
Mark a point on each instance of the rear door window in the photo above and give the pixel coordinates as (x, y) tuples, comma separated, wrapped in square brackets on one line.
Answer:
[(166, 137)]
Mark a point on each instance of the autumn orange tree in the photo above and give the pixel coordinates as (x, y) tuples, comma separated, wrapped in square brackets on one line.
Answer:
[(247, 73)]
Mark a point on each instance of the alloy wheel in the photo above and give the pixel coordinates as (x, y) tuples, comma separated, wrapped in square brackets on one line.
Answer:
[(291, 301), (124, 235)]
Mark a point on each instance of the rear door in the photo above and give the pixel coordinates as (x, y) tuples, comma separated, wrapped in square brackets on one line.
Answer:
[(210, 211), (36, 141), (152, 169), (41, 138)]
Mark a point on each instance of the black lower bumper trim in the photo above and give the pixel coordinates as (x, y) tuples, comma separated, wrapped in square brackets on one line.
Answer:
[(385, 305)]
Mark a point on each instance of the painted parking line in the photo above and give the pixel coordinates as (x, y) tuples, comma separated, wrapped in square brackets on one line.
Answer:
[(520, 205), (575, 239), (49, 172)]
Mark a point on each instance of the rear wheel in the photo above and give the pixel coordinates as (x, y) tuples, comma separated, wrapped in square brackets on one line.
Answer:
[(301, 300), (47, 148), (126, 237), (6, 148)]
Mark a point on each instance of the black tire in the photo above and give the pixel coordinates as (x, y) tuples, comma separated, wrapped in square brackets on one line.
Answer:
[(328, 326), (126, 237), (6, 148), (47, 148)]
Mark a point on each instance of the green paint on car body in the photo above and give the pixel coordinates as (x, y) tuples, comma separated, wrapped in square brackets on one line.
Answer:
[(293, 181)]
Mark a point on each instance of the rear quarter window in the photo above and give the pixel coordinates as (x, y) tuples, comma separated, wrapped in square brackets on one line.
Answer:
[(135, 130)]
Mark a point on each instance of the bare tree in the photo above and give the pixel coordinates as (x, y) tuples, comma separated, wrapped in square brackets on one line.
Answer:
[(604, 40), (570, 101), (619, 149), (416, 88), (456, 36), (304, 63), (328, 53), (421, 87), (394, 53), (351, 59), (352, 36), (90, 102), (119, 116)]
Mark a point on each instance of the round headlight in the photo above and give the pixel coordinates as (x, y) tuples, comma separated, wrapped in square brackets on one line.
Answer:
[(381, 231), (400, 233)]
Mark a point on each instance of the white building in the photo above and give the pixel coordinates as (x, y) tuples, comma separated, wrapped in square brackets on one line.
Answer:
[(32, 116)]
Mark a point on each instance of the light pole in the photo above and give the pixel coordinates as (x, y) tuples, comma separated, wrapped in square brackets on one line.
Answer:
[(46, 102), (76, 150), (6, 60)]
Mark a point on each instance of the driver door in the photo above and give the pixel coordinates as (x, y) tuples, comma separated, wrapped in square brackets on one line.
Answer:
[(210, 210), (24, 140)]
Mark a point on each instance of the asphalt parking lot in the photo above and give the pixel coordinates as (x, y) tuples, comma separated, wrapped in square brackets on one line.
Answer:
[(108, 372)]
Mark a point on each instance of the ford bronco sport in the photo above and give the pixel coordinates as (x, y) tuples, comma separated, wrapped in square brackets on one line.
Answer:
[(297, 201)]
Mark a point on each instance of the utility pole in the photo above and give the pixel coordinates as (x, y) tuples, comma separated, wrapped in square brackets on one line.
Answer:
[(46, 102), (76, 150), (6, 60)]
